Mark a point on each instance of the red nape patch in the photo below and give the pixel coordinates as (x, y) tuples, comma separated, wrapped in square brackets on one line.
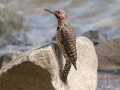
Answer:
[(66, 16)]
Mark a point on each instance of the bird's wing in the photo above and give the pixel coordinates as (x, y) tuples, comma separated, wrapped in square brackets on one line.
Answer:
[(69, 42)]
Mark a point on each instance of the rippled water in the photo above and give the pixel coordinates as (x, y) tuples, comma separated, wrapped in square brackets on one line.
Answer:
[(84, 15)]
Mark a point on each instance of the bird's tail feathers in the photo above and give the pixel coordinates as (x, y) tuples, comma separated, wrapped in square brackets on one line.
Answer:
[(74, 64)]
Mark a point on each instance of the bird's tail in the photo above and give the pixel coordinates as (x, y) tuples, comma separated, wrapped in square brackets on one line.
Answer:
[(66, 71), (74, 64)]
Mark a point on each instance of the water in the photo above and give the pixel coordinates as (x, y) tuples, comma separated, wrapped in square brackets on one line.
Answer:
[(84, 15)]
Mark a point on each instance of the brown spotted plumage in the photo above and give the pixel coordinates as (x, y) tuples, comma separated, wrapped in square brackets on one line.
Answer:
[(66, 41)]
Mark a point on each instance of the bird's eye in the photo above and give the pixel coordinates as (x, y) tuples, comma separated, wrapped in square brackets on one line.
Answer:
[(58, 12)]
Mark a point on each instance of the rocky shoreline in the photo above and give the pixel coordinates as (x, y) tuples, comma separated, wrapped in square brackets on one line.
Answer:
[(23, 27)]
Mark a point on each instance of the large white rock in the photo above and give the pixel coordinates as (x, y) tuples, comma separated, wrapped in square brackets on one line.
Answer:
[(39, 69)]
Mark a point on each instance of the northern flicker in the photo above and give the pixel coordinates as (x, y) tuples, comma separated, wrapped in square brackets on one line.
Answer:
[(66, 41)]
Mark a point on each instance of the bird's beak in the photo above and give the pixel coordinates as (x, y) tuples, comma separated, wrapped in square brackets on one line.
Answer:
[(50, 11)]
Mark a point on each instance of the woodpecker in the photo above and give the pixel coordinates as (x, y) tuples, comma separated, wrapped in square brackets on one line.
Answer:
[(66, 41)]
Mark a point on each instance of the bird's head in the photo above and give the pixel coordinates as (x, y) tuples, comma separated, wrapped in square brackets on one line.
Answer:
[(59, 14)]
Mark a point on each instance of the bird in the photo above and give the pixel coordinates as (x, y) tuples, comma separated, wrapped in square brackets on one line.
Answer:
[(66, 41)]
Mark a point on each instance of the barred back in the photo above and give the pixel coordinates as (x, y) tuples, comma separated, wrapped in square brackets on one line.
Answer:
[(69, 42)]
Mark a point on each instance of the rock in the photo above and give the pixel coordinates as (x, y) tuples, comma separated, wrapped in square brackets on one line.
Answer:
[(108, 55), (10, 52), (39, 69), (6, 58), (93, 36)]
